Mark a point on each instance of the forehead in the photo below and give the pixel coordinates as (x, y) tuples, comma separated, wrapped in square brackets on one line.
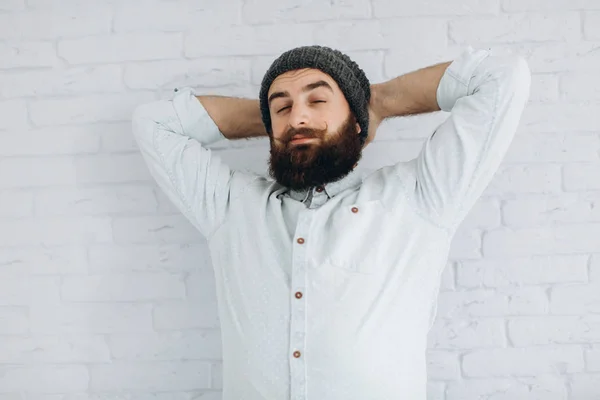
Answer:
[(297, 79)]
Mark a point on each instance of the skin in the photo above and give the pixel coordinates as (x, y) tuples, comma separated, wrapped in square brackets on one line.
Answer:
[(309, 102)]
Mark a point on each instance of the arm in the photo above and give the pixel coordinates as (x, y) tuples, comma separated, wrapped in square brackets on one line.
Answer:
[(236, 118), (171, 135), (409, 94), (485, 95)]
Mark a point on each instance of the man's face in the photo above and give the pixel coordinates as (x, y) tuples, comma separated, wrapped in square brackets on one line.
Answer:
[(308, 103)]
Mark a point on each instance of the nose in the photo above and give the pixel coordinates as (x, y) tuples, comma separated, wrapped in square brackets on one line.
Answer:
[(299, 116)]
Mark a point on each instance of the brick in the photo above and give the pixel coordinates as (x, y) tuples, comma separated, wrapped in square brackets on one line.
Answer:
[(442, 365), (436, 390), (581, 176), (91, 318), (576, 299), (53, 349), (477, 303), (24, 54), (86, 109), (274, 11), (26, 172), (25, 262), (516, 272), (384, 34), (208, 72), (61, 4), (398, 62), (390, 8), (514, 28), (565, 118), (572, 238), (20, 292), (179, 315), (122, 287), (594, 268), (583, 386), (166, 346), (14, 321), (542, 386), (554, 5), (16, 204), (151, 376), (488, 303), (592, 358), (523, 361), (532, 178), (553, 147), (53, 24), (579, 86), (76, 80), (548, 330), (200, 284), (543, 210), (544, 89), (217, 376), (56, 231), (466, 244), (17, 112), (485, 214), (112, 168), (117, 137), (44, 379), (590, 25), (148, 257), (159, 230), (459, 333), (11, 396), (246, 40), (12, 5), (526, 300), (178, 16), (95, 201), (121, 47), (51, 141)]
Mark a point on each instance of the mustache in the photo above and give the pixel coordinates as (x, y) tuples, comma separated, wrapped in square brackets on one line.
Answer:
[(307, 132)]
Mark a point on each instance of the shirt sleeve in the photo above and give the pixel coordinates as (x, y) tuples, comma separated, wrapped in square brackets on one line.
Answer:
[(171, 135), (485, 95)]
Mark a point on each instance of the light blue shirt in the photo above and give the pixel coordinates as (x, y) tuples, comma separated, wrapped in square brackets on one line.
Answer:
[(329, 293)]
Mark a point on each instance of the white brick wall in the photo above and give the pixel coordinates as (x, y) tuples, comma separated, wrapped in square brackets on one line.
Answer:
[(107, 293)]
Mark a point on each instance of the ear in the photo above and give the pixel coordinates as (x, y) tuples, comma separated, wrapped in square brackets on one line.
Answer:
[(358, 129)]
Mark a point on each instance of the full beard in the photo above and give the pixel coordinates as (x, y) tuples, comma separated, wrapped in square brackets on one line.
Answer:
[(327, 160)]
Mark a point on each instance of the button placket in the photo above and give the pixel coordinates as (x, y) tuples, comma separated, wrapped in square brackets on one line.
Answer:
[(298, 309)]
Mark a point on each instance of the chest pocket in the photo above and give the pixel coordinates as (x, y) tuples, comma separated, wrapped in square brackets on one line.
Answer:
[(352, 236)]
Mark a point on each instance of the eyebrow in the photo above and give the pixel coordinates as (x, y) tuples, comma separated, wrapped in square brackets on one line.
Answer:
[(309, 87)]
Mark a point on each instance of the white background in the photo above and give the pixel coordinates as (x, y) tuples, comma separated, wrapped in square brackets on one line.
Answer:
[(106, 291)]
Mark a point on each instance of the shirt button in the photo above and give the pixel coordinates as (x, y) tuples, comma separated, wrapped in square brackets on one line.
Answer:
[(175, 90), (300, 240), (298, 295), (297, 354), (355, 209), (320, 189)]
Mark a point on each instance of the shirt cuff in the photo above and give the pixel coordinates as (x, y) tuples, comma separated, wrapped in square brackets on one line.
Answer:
[(194, 119), (455, 80)]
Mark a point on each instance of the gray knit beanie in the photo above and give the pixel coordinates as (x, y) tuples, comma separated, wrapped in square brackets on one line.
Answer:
[(350, 78)]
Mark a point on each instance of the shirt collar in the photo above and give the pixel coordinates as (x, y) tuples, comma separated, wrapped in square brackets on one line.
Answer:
[(354, 178)]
